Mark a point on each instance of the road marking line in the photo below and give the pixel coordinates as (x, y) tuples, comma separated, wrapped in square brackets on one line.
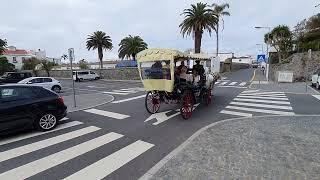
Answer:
[(115, 93), (259, 97), (129, 99), (261, 110), (111, 163), (250, 91), (266, 95), (254, 75), (232, 84), (223, 83), (12, 153), (34, 134), (232, 87), (64, 119), (35, 167), (91, 86), (262, 105), (316, 96), (236, 113), (262, 93), (125, 91), (261, 101), (107, 113), (243, 84)]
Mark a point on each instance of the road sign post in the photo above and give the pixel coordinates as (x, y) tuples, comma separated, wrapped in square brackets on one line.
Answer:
[(71, 58)]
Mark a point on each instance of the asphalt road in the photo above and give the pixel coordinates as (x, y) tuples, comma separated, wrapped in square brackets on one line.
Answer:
[(120, 140)]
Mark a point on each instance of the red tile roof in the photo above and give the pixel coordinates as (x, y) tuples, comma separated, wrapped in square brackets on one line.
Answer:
[(15, 52)]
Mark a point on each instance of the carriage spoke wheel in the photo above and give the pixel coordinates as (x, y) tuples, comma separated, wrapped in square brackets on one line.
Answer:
[(152, 102), (187, 105)]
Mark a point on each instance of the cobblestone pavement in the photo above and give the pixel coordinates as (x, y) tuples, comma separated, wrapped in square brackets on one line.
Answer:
[(257, 148)]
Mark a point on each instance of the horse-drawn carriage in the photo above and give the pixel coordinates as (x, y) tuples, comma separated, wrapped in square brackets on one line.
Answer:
[(168, 81)]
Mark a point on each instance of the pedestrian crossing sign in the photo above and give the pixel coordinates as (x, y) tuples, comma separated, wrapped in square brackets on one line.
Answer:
[(261, 58)]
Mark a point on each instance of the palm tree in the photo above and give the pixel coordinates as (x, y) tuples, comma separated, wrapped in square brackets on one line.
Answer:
[(219, 12), (99, 40), (197, 19), (130, 46)]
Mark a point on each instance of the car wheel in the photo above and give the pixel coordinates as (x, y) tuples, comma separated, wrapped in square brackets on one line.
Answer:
[(317, 86), (56, 89), (46, 122)]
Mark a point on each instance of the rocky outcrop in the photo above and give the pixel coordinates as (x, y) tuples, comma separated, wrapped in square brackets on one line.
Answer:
[(300, 64)]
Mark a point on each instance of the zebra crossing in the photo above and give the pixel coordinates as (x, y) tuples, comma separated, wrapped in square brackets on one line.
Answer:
[(226, 83), (256, 102), (98, 138)]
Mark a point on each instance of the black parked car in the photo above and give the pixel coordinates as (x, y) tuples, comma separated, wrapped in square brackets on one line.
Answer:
[(14, 77), (27, 106)]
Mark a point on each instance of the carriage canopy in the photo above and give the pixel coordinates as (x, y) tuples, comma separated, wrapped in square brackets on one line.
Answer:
[(156, 67)]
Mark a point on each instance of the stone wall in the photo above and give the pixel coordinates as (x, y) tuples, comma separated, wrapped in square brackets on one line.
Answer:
[(299, 64), (116, 74)]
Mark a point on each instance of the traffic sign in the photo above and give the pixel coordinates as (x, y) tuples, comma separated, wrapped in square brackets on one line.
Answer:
[(261, 58), (71, 54)]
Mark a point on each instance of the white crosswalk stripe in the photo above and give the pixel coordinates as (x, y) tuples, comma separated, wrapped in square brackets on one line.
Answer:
[(253, 102), (261, 97), (5, 155), (34, 134), (231, 84), (107, 113), (97, 170), (107, 165), (262, 101)]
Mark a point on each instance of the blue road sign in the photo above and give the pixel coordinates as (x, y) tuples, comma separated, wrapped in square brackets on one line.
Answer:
[(261, 58)]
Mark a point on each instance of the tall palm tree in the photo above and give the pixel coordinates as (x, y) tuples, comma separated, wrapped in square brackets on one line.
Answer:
[(197, 19), (99, 40), (130, 46), (219, 12)]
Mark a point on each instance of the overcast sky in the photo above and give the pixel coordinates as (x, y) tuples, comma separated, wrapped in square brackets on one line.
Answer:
[(56, 25)]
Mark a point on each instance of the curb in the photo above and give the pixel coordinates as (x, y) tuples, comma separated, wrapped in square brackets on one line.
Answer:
[(151, 172)]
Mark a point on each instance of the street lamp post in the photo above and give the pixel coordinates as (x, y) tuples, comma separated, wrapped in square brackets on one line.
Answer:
[(268, 62)]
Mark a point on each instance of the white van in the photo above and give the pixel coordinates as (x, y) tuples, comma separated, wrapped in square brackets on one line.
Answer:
[(85, 75)]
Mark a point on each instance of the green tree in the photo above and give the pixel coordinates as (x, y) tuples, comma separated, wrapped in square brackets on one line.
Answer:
[(3, 45), (281, 39), (47, 66), (130, 46), (31, 64), (197, 19), (83, 64), (5, 66), (99, 40), (219, 11)]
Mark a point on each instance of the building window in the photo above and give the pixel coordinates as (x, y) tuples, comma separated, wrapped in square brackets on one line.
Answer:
[(14, 59), (23, 59)]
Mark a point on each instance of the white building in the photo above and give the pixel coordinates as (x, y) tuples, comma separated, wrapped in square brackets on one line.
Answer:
[(16, 56)]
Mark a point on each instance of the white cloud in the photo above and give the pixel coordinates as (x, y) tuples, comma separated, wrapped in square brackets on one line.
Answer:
[(56, 25)]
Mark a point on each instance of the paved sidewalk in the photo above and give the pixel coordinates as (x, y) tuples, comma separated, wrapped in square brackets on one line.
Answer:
[(85, 101), (260, 82), (254, 148)]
